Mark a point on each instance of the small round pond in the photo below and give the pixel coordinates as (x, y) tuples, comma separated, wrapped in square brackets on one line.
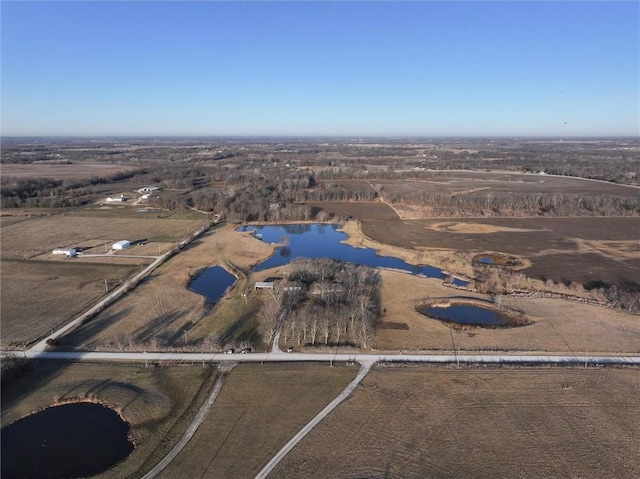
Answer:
[(467, 314), (72, 440), (212, 283)]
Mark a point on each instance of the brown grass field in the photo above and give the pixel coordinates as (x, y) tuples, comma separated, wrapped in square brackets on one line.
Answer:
[(258, 410), (559, 326), (373, 211), (162, 307), (421, 422), (61, 172), (40, 235), (563, 249), (37, 296), (158, 403), (474, 182)]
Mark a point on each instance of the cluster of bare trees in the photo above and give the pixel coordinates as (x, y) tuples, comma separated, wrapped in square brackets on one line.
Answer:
[(334, 192), (515, 204), (323, 302)]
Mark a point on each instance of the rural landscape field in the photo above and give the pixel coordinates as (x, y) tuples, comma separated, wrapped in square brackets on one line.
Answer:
[(325, 262)]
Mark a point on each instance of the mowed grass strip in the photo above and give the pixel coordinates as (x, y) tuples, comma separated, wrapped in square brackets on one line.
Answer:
[(260, 408), (422, 422), (37, 296), (157, 402)]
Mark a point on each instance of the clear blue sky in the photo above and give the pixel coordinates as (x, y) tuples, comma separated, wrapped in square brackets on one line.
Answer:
[(321, 68)]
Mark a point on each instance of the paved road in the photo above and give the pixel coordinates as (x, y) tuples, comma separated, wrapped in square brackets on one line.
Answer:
[(328, 357), (346, 392), (195, 424)]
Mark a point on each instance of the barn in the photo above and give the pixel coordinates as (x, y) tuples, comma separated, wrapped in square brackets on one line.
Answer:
[(122, 244)]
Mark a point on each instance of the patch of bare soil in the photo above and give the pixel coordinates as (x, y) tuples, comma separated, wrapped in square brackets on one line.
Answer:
[(473, 228)]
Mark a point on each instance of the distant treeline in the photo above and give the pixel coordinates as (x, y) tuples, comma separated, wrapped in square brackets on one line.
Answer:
[(51, 193)]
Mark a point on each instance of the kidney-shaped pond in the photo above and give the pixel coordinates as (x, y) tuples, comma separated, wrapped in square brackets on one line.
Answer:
[(72, 440), (324, 241), (464, 314), (212, 283)]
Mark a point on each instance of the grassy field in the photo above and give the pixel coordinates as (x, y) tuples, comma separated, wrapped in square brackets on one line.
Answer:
[(37, 296), (421, 422), (88, 228), (157, 313), (258, 410), (61, 172), (158, 403), (583, 250), (560, 326), (480, 182), (374, 211)]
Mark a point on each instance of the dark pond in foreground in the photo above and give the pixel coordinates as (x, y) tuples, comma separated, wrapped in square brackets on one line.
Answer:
[(464, 314), (72, 440), (324, 241), (212, 283)]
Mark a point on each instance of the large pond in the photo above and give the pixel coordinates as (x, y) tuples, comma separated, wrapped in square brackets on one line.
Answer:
[(72, 440), (464, 314), (212, 283), (324, 241)]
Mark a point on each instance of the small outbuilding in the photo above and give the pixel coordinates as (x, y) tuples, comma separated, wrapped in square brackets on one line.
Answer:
[(122, 244), (70, 252), (148, 189)]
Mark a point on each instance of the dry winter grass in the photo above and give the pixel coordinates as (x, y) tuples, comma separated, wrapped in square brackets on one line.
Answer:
[(560, 326), (421, 422), (38, 296), (158, 403), (258, 410), (40, 235), (159, 310)]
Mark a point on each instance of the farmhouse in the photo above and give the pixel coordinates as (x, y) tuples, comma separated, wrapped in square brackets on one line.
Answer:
[(70, 252), (123, 244), (148, 189)]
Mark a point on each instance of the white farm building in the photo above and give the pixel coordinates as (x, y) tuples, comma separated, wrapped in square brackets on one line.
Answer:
[(70, 252), (122, 244)]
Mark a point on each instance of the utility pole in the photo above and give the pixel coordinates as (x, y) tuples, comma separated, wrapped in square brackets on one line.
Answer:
[(106, 286)]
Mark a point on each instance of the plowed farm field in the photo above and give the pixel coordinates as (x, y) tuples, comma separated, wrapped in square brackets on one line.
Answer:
[(427, 422), (584, 250)]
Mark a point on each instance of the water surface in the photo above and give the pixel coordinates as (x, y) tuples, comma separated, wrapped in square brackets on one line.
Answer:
[(465, 314), (212, 283), (324, 241), (68, 441)]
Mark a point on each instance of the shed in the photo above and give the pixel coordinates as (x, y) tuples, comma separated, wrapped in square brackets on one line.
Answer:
[(122, 244), (70, 252), (264, 285), (148, 189)]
